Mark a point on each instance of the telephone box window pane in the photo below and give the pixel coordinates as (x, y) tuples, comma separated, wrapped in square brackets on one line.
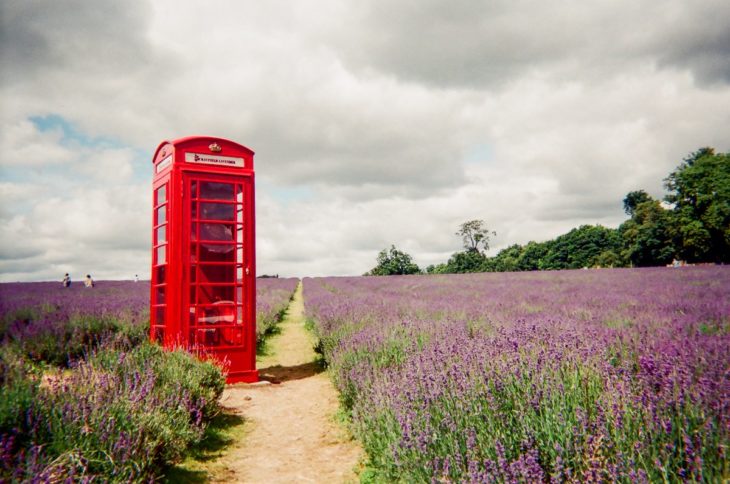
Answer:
[(216, 273), (208, 337), (216, 253), (216, 314), (239, 254), (161, 215), (161, 254), (194, 189), (239, 314), (160, 315), (193, 231), (232, 337), (217, 211), (239, 274), (159, 333), (193, 273), (208, 294), (239, 235), (160, 275), (216, 191), (192, 294), (161, 234), (193, 209), (222, 232), (239, 294), (162, 194), (160, 295)]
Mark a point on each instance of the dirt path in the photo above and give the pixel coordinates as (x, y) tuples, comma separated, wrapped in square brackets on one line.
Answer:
[(291, 434)]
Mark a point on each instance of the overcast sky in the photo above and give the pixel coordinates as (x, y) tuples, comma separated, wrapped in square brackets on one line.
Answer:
[(373, 122)]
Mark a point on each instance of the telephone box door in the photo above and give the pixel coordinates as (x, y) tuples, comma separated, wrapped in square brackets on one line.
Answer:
[(218, 250)]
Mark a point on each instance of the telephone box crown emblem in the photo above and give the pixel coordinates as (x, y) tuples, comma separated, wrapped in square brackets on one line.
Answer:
[(215, 147)]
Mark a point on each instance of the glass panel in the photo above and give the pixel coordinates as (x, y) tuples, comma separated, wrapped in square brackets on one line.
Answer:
[(222, 232), (159, 333), (239, 315), (161, 254), (161, 194), (239, 193), (193, 209), (208, 337), (216, 191), (215, 294), (194, 189), (217, 252), (193, 273), (219, 313), (216, 273), (239, 215), (232, 336), (239, 235), (161, 234), (217, 211), (159, 295), (192, 294), (193, 231), (191, 317), (239, 274), (160, 275), (160, 315), (161, 215), (239, 254), (239, 294)]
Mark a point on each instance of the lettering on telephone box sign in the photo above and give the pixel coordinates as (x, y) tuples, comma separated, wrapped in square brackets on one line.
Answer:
[(214, 160), (163, 164)]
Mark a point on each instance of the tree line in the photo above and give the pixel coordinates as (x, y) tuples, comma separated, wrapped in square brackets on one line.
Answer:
[(691, 224)]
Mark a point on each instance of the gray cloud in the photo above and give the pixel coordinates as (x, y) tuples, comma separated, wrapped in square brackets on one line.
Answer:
[(473, 44)]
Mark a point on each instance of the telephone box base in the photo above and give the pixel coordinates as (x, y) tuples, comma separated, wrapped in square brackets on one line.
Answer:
[(247, 376)]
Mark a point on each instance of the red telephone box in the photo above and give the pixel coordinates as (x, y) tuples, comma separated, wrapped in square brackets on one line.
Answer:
[(203, 295)]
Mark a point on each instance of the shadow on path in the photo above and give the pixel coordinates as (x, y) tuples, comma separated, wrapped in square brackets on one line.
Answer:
[(279, 374)]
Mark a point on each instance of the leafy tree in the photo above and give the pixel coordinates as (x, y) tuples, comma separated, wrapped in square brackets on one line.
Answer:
[(700, 191), (647, 235), (506, 260), (466, 261), (581, 247), (532, 255), (475, 235), (633, 199), (393, 262)]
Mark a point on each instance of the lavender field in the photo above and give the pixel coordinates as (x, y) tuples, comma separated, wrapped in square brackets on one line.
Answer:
[(594, 375), (84, 396)]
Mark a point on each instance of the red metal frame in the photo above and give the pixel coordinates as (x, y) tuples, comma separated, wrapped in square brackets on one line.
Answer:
[(203, 291)]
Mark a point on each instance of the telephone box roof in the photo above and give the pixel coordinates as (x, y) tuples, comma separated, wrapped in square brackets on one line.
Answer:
[(203, 142)]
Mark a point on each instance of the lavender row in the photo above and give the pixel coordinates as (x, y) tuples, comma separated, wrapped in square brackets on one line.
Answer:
[(573, 375), (58, 324), (272, 299)]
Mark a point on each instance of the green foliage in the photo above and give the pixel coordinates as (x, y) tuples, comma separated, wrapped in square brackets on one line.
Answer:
[(700, 191), (647, 235), (394, 262), (467, 261), (119, 416), (581, 247), (633, 200)]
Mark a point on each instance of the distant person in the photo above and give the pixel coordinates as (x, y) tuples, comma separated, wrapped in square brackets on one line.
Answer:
[(136, 278), (66, 280), (88, 282)]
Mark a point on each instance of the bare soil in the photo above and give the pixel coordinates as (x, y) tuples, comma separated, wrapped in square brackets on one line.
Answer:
[(291, 432)]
